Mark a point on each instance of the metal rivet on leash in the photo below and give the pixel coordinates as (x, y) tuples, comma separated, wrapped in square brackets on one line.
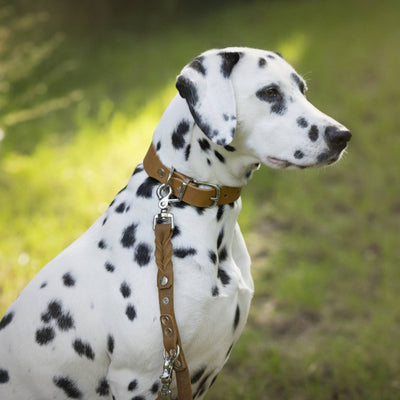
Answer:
[(168, 331), (163, 281), (165, 300), (161, 172), (165, 320)]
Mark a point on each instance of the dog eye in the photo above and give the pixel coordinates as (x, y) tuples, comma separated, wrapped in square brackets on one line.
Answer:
[(271, 92)]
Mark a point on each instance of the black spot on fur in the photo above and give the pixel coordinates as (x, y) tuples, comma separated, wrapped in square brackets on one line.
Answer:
[(223, 254), (200, 210), (279, 108), (187, 152), (43, 285), (299, 82), (180, 204), (83, 349), (229, 148), (138, 169), (278, 54), (225, 117), (322, 157), (68, 280), (158, 146), (197, 375), (121, 208), (109, 267), (104, 221), (68, 386), (110, 344), (45, 335), (220, 238), (129, 236), (176, 232), (298, 154), (187, 89), (138, 398), (203, 126), (145, 190), (130, 312), (4, 377), (262, 62), (208, 161), (6, 320), (154, 388), (198, 65), (103, 389), (313, 133), (237, 318), (184, 252), (142, 254), (178, 139), (54, 311), (219, 156), (302, 122), (204, 144), (125, 290), (102, 244), (220, 212), (65, 322), (132, 385), (222, 141), (213, 256), (229, 60), (215, 291), (223, 276)]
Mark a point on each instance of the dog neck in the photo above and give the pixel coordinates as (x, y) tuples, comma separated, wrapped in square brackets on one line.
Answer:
[(181, 144)]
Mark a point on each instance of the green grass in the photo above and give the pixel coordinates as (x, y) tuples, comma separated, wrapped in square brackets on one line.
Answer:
[(78, 113)]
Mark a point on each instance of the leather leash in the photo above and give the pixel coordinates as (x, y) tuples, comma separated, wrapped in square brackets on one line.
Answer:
[(188, 190)]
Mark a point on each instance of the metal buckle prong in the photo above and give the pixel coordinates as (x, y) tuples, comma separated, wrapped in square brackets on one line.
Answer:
[(216, 187), (182, 188)]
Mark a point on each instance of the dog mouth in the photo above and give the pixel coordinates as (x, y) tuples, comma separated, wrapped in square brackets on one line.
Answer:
[(282, 164)]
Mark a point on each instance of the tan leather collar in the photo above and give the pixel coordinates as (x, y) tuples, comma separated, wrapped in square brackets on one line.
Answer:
[(188, 189)]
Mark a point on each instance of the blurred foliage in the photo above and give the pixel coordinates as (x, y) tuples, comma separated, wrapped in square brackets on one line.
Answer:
[(82, 86)]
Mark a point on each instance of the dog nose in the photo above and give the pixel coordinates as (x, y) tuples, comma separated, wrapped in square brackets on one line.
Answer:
[(337, 138)]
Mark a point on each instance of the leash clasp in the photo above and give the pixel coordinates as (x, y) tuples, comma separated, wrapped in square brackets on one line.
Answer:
[(163, 218), (164, 192), (166, 377)]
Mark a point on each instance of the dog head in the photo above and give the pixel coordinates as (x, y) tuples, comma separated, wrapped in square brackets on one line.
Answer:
[(256, 100)]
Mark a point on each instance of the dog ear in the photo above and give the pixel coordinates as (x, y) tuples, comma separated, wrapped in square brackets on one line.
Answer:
[(206, 86)]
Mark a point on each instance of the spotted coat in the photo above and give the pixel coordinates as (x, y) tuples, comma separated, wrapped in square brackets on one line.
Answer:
[(87, 325)]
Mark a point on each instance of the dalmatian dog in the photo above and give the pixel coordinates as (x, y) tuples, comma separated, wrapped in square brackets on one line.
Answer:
[(87, 326)]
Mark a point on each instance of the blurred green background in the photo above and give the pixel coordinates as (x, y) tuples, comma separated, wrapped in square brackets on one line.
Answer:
[(84, 83)]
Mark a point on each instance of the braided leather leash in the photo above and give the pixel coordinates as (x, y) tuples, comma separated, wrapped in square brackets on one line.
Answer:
[(188, 190)]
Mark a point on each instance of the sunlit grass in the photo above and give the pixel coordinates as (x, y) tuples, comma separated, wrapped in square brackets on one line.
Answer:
[(72, 182)]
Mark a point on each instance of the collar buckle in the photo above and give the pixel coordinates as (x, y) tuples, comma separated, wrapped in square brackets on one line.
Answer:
[(217, 189)]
